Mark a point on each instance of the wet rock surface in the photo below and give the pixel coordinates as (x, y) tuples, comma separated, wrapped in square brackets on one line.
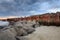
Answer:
[(5, 35)]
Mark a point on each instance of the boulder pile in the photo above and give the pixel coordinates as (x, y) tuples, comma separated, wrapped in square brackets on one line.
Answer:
[(17, 32)]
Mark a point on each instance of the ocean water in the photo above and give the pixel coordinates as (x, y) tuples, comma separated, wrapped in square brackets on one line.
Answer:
[(4, 23)]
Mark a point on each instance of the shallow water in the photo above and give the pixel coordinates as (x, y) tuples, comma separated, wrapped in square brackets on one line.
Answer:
[(4, 23)]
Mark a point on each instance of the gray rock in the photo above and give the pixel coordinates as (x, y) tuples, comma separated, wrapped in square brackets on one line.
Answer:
[(21, 38), (6, 36), (29, 29), (20, 31), (24, 30)]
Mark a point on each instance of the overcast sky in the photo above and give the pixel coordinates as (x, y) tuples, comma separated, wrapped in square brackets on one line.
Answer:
[(27, 7)]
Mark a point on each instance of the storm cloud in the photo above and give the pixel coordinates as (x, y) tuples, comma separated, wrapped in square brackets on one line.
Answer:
[(28, 7)]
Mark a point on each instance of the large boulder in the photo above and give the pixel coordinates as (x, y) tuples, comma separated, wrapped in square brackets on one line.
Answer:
[(24, 23), (29, 29), (7, 35), (23, 30), (20, 31), (21, 38), (23, 27)]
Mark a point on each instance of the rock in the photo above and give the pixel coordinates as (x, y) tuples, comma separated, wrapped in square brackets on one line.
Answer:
[(11, 31), (6, 36), (29, 29), (24, 30), (21, 38), (20, 31), (24, 23)]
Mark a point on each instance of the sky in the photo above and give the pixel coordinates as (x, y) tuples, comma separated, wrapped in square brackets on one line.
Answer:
[(27, 7)]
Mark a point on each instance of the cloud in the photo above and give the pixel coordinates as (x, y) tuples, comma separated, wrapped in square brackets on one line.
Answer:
[(54, 10), (28, 7), (45, 7)]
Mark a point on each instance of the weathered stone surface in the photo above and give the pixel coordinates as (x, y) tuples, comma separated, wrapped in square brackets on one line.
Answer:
[(24, 23), (23, 28), (29, 29), (21, 38), (35, 25), (20, 31), (6, 36)]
